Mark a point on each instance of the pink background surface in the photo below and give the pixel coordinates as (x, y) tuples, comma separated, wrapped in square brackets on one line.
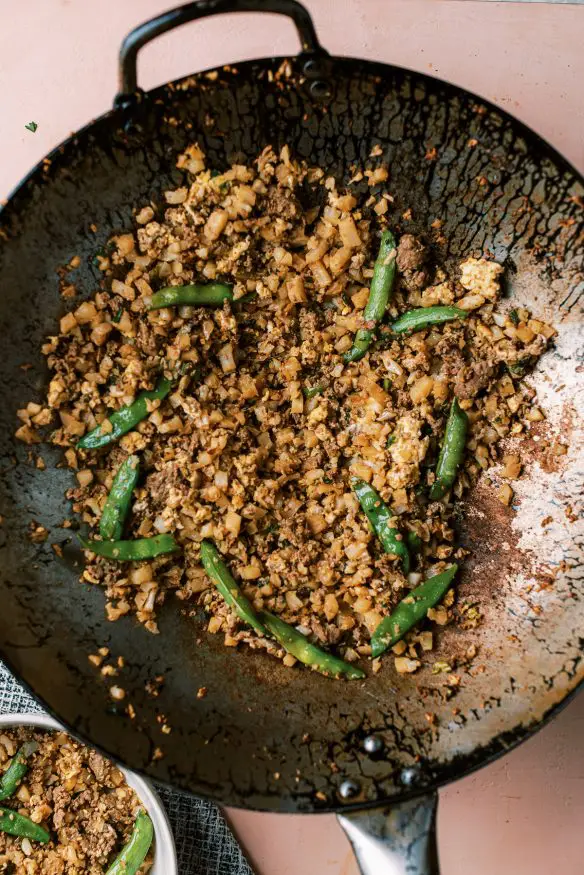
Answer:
[(524, 814)]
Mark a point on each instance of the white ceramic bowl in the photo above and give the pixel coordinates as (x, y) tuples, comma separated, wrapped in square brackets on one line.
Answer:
[(165, 854)]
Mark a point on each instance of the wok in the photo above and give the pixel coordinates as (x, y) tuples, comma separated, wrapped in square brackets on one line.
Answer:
[(267, 737)]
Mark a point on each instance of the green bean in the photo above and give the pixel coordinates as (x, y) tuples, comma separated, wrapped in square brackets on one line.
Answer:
[(124, 419), (117, 505), (379, 294), (414, 542), (295, 643), (379, 515), (411, 610), (195, 295), (134, 852), (15, 772), (452, 451), (132, 551), (415, 320), (229, 589), (16, 824), (245, 299)]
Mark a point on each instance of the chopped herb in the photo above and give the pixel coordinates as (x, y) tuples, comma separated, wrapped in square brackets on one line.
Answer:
[(426, 429), (327, 480), (31, 126), (514, 317), (100, 253), (223, 186), (390, 441), (311, 392), (118, 315), (386, 384), (192, 370), (519, 368)]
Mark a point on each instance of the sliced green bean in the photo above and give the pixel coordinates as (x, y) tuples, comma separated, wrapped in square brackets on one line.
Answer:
[(229, 589), (124, 419), (452, 451), (295, 643), (132, 551), (379, 294), (415, 320), (379, 515), (195, 295), (15, 772), (134, 852), (16, 824), (411, 610), (117, 505)]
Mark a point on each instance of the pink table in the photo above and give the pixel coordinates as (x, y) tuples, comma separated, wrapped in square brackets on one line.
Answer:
[(524, 814)]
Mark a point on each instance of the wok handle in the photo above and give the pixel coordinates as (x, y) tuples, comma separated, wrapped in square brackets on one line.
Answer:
[(396, 840), (149, 30)]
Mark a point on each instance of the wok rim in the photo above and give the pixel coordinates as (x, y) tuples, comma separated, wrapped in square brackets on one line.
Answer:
[(464, 764)]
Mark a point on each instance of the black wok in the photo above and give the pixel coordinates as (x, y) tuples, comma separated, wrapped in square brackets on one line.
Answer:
[(264, 736)]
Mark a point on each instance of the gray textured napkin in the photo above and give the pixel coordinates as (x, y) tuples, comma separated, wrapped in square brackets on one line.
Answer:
[(204, 843)]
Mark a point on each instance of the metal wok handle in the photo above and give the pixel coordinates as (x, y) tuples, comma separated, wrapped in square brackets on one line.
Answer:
[(144, 33), (396, 840)]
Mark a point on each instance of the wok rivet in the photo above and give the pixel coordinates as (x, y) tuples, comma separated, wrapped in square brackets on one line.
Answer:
[(319, 89), (373, 744), (409, 776), (349, 789)]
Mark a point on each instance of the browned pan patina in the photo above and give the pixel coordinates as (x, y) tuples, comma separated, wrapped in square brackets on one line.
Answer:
[(264, 736)]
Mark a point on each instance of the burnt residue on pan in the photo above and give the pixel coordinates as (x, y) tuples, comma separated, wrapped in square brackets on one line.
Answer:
[(476, 182)]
